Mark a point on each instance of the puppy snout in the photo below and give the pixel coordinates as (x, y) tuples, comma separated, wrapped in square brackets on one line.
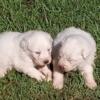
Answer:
[(46, 61)]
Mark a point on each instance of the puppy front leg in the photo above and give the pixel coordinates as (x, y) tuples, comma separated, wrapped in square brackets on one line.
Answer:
[(47, 72), (31, 71), (34, 73), (58, 77), (87, 73)]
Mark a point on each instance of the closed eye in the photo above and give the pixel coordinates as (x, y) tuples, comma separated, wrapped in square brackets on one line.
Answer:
[(49, 49), (69, 59), (37, 52), (72, 60)]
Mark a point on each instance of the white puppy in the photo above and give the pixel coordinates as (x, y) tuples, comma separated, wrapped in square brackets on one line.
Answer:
[(73, 49), (28, 52)]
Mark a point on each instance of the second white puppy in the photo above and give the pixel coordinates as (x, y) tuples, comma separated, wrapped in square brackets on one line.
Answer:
[(73, 49), (24, 52)]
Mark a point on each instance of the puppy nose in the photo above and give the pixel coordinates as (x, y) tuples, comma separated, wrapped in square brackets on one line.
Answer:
[(61, 66), (46, 61)]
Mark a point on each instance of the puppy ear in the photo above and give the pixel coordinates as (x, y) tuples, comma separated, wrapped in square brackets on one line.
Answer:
[(24, 44), (84, 54), (50, 38)]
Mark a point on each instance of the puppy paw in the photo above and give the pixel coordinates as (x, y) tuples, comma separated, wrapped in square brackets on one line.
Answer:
[(47, 73), (40, 77), (49, 76), (92, 85), (2, 73), (57, 85)]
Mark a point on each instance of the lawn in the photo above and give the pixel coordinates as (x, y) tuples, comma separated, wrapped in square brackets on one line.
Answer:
[(51, 16)]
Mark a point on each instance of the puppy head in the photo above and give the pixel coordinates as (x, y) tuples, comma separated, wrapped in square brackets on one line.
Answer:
[(69, 56), (38, 45), (64, 62)]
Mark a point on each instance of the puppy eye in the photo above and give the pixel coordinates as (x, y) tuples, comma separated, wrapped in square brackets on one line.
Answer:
[(70, 60), (37, 52), (48, 49)]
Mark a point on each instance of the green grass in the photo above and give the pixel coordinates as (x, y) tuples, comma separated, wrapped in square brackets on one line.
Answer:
[(51, 16)]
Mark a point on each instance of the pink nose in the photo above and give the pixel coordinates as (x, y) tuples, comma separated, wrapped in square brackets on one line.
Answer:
[(61, 66)]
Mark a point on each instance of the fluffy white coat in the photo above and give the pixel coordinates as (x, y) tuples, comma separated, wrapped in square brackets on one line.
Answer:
[(28, 52), (73, 49)]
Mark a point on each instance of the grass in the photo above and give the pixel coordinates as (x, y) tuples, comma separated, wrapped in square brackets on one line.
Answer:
[(51, 16)]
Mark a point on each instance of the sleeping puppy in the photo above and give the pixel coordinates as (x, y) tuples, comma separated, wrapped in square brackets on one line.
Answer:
[(73, 49), (29, 53)]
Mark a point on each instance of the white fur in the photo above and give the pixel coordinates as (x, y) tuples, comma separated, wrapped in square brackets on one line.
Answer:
[(24, 52), (73, 49)]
